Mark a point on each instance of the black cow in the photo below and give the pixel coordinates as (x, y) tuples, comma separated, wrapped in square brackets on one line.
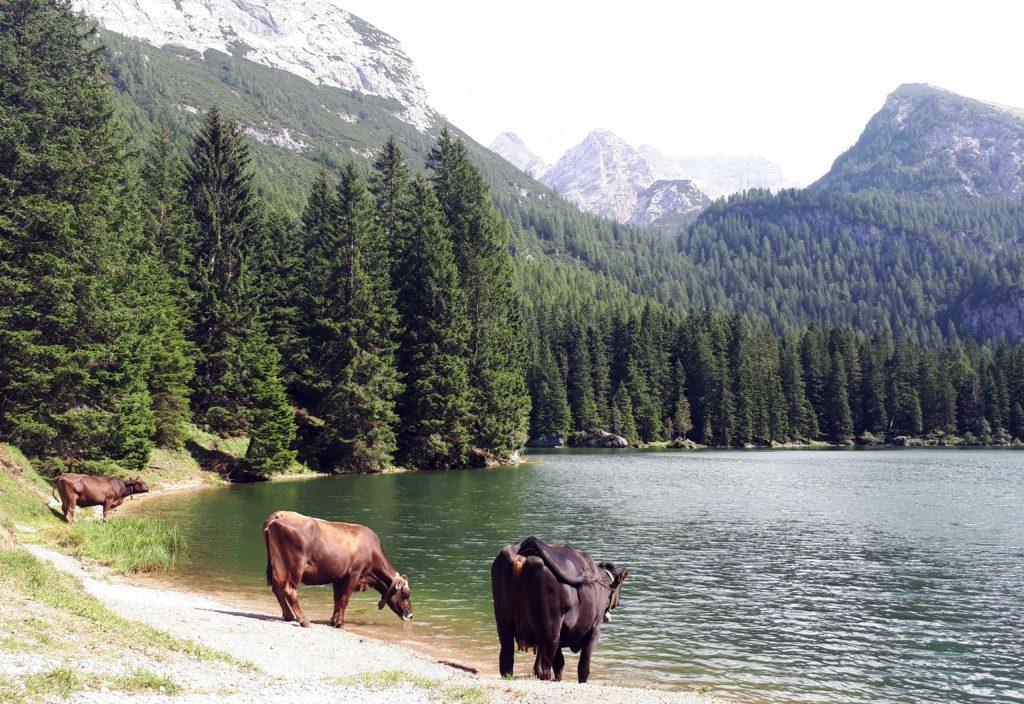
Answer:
[(549, 597)]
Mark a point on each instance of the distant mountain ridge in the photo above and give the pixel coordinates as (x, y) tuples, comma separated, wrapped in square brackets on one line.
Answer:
[(607, 176), (928, 140), (510, 147)]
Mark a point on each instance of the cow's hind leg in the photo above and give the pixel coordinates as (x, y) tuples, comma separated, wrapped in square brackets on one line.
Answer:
[(282, 599), (507, 655), (545, 659), (291, 593), (559, 664)]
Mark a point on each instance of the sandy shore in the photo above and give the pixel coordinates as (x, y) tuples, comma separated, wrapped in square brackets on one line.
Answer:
[(318, 664)]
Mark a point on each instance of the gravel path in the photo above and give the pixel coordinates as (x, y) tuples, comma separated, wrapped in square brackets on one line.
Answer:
[(294, 664)]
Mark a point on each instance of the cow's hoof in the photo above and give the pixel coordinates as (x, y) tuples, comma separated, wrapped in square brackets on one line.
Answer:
[(336, 624), (304, 624)]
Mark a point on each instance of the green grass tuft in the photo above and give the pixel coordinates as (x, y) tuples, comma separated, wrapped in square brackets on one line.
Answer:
[(146, 681), (442, 692), (60, 682), (126, 544)]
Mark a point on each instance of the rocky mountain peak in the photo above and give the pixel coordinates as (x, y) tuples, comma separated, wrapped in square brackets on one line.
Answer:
[(668, 202), (314, 39), (929, 140), (511, 148), (602, 174)]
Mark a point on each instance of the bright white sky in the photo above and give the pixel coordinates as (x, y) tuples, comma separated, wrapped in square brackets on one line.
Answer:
[(792, 81)]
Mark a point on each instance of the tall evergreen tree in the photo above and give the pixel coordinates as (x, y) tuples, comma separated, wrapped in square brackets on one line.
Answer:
[(237, 387), (349, 378), (433, 410), (838, 420), (498, 388), (73, 362)]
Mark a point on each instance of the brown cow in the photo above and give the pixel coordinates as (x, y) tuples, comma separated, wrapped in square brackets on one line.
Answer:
[(549, 597), (304, 550), (87, 490)]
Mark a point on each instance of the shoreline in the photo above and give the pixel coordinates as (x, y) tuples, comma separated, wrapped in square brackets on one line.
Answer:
[(354, 661)]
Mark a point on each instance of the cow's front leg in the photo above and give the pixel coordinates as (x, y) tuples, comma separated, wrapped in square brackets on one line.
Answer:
[(559, 664), (342, 593), (109, 506), (583, 671)]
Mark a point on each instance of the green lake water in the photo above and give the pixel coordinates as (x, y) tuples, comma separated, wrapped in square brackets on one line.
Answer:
[(769, 576)]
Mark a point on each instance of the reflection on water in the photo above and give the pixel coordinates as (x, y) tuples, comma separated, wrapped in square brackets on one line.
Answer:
[(772, 576)]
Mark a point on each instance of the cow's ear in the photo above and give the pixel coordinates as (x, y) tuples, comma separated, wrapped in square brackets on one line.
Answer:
[(622, 576)]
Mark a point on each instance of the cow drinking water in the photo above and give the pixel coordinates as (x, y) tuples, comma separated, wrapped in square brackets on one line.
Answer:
[(550, 597), (87, 490), (304, 550)]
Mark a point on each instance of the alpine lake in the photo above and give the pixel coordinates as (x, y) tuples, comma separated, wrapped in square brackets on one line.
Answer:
[(761, 576)]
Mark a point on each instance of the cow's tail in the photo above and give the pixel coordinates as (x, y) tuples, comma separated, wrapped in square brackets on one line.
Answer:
[(266, 539)]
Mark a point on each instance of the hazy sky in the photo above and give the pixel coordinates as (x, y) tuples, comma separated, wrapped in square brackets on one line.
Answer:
[(792, 81)]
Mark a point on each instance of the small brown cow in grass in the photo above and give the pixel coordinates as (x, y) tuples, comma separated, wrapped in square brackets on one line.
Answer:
[(304, 550), (86, 490)]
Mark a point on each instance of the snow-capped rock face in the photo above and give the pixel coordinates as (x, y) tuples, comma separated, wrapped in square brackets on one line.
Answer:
[(509, 147), (314, 39), (926, 139), (666, 203), (602, 175)]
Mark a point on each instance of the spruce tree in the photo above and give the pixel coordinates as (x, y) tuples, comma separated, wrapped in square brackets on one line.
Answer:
[(682, 423), (433, 410), (73, 359), (498, 398), (237, 387), (348, 322), (837, 420), (389, 184)]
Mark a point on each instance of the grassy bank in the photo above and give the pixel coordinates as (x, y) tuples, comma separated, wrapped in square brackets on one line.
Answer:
[(125, 544)]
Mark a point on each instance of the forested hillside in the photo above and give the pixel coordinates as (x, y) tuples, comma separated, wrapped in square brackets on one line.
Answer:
[(355, 293)]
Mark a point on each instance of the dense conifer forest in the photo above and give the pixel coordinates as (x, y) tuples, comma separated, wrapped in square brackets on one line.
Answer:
[(401, 314)]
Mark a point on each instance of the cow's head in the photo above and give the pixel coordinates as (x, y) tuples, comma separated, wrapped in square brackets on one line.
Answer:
[(616, 577), (136, 486), (398, 597)]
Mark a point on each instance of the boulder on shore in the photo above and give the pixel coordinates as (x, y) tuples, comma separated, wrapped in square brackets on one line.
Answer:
[(546, 440), (598, 438)]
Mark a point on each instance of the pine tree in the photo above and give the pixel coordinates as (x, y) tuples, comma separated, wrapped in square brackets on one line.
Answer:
[(682, 423), (622, 421), (499, 401), (348, 323), (237, 387), (803, 423), (433, 410), (838, 420), (73, 361), (389, 184), (165, 218)]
